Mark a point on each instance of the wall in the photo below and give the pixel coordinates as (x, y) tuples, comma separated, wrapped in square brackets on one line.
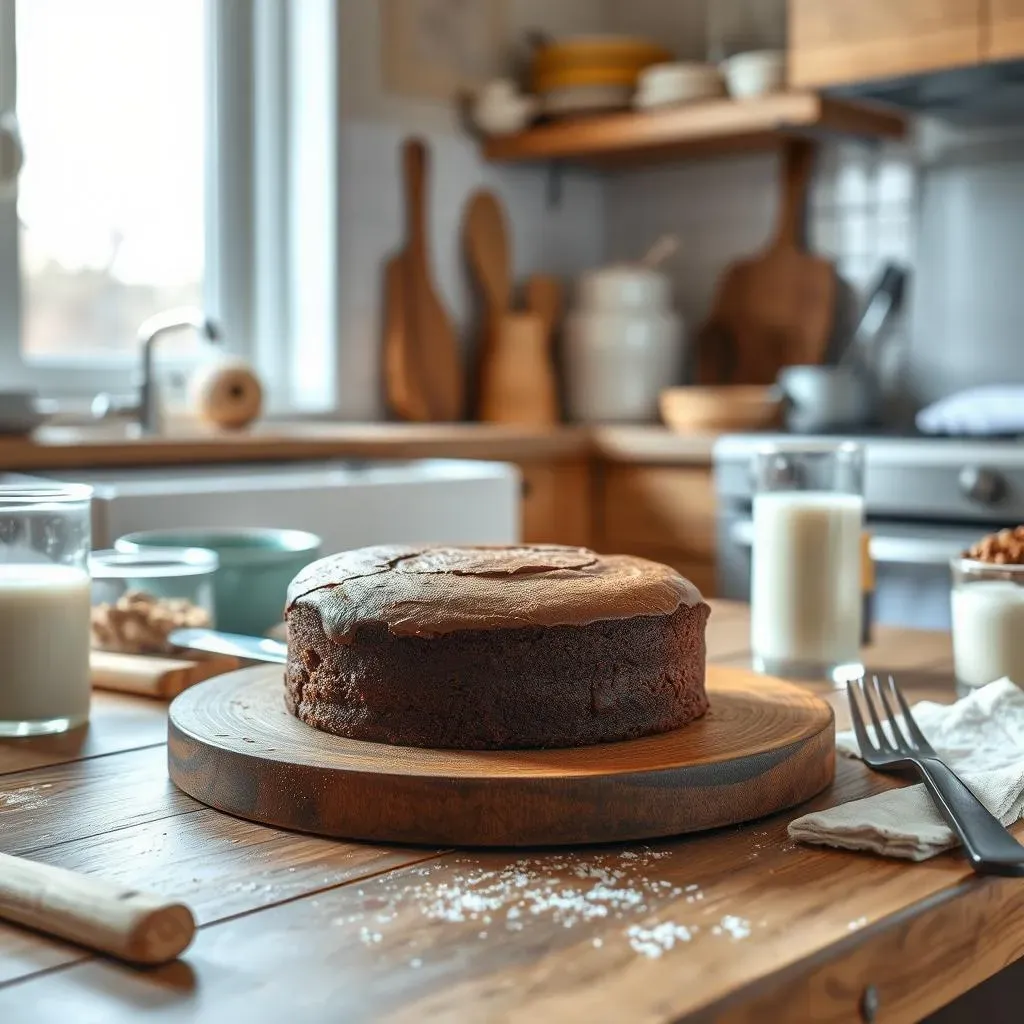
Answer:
[(562, 239)]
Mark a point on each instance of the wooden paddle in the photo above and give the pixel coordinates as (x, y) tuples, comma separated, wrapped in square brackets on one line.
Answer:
[(485, 237), (402, 387), (774, 309), (544, 297), (434, 359)]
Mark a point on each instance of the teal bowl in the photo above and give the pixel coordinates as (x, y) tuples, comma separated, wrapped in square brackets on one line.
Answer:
[(256, 566)]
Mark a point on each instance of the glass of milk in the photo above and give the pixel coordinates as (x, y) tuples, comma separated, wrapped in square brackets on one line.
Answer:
[(988, 622), (805, 592), (44, 608)]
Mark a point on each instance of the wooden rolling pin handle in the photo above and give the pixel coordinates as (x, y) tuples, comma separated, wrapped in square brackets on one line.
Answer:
[(133, 926)]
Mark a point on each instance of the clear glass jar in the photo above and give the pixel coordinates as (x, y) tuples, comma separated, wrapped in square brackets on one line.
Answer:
[(988, 622), (44, 608), (805, 593), (139, 597)]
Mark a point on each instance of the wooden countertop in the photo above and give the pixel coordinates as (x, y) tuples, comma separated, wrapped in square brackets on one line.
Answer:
[(56, 448), (299, 928)]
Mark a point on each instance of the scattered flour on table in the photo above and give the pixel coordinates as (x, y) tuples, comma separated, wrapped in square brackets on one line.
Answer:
[(562, 889), (652, 942), (28, 798)]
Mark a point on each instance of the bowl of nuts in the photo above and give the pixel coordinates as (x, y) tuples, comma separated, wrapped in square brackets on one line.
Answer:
[(138, 598)]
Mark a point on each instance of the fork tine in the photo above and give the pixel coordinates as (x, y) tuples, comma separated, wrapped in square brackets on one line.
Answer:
[(863, 740), (920, 742), (883, 740), (899, 738)]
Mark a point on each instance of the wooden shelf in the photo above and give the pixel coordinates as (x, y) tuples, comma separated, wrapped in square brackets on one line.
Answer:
[(707, 128)]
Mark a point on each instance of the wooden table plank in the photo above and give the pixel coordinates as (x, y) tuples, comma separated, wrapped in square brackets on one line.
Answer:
[(220, 866), (69, 801), (118, 722), (774, 931), (394, 947)]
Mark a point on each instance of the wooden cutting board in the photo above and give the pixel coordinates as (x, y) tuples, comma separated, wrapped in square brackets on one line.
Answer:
[(765, 745), (777, 308), (432, 346)]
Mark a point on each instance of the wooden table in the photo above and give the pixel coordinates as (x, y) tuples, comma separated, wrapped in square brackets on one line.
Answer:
[(738, 925)]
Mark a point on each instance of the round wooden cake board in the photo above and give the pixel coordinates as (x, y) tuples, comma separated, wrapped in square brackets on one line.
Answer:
[(765, 745)]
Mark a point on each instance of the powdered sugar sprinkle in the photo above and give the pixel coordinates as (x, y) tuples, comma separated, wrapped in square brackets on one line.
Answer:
[(565, 889)]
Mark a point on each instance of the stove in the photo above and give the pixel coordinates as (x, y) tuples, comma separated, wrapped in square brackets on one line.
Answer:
[(926, 499)]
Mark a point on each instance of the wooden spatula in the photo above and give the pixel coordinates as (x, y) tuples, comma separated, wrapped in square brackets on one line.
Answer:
[(544, 297), (774, 309), (486, 237), (403, 388), (433, 347)]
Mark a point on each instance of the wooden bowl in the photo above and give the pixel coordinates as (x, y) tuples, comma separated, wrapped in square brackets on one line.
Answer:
[(695, 410)]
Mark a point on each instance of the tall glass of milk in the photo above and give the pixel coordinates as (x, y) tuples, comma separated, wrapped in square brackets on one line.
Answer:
[(44, 608), (805, 592), (988, 622)]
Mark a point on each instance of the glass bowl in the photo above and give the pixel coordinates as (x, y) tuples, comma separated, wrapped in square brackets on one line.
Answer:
[(139, 597)]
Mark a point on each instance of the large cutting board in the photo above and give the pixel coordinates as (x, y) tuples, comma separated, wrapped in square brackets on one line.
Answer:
[(776, 308), (765, 745)]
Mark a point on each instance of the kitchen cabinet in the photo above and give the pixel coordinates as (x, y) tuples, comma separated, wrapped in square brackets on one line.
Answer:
[(1005, 36), (836, 42), (666, 513), (556, 505)]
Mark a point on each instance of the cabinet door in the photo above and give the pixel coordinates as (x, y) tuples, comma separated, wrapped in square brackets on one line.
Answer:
[(835, 42), (556, 503), (1005, 30)]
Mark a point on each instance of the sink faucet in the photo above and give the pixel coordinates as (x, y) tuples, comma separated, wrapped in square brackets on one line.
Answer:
[(147, 409)]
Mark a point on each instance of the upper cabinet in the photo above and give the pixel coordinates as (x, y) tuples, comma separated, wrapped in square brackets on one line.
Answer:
[(837, 42), (1006, 29)]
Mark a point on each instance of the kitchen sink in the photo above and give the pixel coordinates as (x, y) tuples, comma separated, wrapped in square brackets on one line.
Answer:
[(347, 503)]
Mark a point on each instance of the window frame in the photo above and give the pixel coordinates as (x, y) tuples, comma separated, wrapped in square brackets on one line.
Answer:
[(270, 274)]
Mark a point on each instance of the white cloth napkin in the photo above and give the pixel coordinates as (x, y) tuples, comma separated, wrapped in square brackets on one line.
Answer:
[(981, 737)]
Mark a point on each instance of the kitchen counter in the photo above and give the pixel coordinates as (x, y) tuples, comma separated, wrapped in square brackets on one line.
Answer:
[(299, 928), (54, 448)]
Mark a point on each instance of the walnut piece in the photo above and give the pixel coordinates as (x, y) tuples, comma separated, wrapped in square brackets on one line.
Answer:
[(1003, 548), (139, 623)]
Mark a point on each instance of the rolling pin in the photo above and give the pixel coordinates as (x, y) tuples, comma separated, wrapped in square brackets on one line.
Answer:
[(133, 926)]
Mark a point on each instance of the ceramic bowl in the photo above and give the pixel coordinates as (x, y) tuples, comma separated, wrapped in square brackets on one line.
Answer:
[(756, 73), (666, 84), (256, 566)]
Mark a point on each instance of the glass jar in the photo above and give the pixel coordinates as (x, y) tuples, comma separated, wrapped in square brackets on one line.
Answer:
[(139, 597), (805, 592), (44, 608), (988, 622)]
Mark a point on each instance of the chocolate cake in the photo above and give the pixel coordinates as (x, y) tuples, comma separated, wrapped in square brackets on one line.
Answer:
[(493, 647)]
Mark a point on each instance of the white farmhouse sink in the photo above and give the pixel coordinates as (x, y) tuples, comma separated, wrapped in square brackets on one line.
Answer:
[(348, 504)]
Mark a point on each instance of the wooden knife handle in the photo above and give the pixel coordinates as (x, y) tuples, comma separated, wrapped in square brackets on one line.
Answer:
[(130, 925), (414, 159)]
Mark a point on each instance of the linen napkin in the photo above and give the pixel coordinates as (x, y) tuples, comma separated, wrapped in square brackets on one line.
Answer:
[(981, 737)]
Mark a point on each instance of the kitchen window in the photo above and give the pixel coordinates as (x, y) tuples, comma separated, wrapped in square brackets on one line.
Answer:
[(176, 152)]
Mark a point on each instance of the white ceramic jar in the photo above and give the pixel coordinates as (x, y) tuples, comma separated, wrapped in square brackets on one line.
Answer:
[(623, 345)]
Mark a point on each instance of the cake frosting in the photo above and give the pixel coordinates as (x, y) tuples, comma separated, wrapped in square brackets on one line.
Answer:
[(430, 591), (493, 647)]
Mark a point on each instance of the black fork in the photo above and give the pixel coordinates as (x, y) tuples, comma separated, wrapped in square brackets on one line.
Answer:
[(990, 848)]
